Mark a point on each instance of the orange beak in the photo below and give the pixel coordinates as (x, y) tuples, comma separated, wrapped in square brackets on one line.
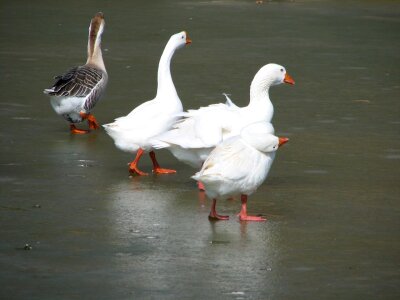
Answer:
[(288, 79), (188, 40), (283, 140)]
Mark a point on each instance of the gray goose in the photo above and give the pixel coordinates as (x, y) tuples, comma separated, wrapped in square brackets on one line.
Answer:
[(75, 93)]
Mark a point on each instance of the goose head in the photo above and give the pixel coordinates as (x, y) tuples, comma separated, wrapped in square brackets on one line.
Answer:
[(272, 74), (96, 27), (259, 136), (180, 39)]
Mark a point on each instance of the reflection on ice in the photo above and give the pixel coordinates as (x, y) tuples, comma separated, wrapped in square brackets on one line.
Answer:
[(166, 221)]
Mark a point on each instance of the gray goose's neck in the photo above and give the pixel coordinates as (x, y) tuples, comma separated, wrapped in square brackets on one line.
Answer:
[(95, 56)]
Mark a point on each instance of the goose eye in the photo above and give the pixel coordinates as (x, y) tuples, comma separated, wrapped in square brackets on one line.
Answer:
[(183, 36), (281, 70)]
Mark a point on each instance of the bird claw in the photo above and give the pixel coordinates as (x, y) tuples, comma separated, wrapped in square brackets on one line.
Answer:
[(93, 122), (133, 170), (75, 130), (217, 217), (163, 171), (252, 218)]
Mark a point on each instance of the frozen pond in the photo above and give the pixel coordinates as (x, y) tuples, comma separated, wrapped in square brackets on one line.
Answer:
[(332, 196)]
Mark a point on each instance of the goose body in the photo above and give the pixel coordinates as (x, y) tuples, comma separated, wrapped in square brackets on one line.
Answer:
[(75, 93), (239, 165), (135, 131), (193, 138)]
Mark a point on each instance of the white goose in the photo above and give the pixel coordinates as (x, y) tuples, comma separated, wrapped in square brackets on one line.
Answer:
[(192, 139), (134, 132), (238, 166), (75, 93)]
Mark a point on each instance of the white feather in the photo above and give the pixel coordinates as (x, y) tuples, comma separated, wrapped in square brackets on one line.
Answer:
[(236, 166), (203, 129), (137, 129)]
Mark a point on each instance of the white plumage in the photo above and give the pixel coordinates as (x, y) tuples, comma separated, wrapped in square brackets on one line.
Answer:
[(193, 138), (134, 132), (239, 165)]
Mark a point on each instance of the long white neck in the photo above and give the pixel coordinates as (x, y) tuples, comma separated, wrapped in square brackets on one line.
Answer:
[(95, 56), (164, 79), (259, 97)]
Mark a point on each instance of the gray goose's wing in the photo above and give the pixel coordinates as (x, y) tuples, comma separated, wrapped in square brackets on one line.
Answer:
[(79, 81)]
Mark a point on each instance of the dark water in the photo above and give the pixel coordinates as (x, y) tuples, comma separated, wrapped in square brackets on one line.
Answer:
[(332, 198)]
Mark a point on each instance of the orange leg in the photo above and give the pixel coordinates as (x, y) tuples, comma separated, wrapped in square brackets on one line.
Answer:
[(201, 186), (213, 214), (75, 130), (93, 124), (133, 168), (156, 167), (243, 213)]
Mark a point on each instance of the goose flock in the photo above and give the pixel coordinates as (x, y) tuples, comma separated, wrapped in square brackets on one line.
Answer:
[(232, 147)]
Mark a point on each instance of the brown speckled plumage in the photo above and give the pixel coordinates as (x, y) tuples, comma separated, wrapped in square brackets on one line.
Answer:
[(75, 93), (82, 81)]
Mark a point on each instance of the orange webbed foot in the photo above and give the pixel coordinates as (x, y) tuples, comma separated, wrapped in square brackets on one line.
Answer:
[(134, 170), (213, 216), (217, 217), (163, 171), (243, 213), (93, 124), (75, 130), (251, 218)]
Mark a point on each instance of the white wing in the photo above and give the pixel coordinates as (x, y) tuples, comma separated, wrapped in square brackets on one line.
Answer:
[(229, 161)]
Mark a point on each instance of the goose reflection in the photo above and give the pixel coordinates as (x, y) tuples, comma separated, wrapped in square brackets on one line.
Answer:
[(178, 244)]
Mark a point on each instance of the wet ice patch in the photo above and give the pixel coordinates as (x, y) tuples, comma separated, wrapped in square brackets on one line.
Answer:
[(28, 59), (392, 153), (327, 121), (348, 118), (316, 171), (392, 150), (14, 104), (365, 101), (84, 163), (11, 164), (220, 3), (76, 175), (122, 254), (237, 293), (303, 269), (22, 118), (216, 242), (392, 156), (6, 179), (353, 68), (297, 128)]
